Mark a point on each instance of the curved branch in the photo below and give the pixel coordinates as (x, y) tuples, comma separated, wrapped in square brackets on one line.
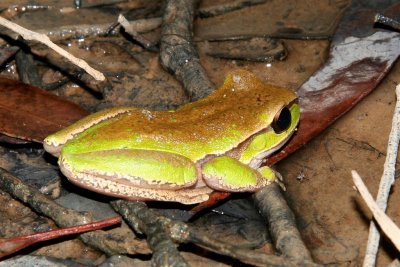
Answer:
[(282, 223), (178, 54), (102, 240), (165, 252)]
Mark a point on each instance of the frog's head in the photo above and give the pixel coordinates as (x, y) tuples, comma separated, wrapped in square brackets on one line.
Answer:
[(275, 135), (273, 114)]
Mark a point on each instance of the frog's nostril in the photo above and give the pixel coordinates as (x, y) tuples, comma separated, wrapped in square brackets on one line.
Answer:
[(282, 120)]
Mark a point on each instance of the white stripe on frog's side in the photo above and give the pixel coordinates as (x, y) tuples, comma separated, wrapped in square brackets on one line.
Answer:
[(257, 161), (53, 143)]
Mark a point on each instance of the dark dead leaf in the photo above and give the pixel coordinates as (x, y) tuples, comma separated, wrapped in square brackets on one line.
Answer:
[(359, 58), (29, 113)]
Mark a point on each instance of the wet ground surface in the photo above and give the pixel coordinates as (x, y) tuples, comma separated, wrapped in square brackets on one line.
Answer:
[(332, 218)]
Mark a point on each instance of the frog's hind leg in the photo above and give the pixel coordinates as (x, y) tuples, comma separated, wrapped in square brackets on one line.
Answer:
[(133, 167), (228, 174)]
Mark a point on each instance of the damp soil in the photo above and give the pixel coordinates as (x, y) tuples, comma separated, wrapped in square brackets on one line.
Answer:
[(332, 217)]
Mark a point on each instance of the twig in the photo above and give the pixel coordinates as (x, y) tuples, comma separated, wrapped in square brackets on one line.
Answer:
[(165, 251), (282, 224), (177, 52), (386, 182), (162, 232), (217, 10), (30, 35), (381, 19), (14, 244), (244, 255), (27, 70), (6, 53), (385, 223), (71, 70), (64, 217), (86, 30), (131, 30)]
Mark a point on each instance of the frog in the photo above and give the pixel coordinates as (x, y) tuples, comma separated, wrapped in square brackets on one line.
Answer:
[(218, 143)]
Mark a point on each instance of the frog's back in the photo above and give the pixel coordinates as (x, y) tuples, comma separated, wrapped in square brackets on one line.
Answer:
[(240, 108)]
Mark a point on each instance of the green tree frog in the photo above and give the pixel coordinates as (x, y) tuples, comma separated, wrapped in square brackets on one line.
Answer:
[(217, 143)]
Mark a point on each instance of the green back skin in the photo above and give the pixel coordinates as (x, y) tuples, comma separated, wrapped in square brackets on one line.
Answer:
[(240, 108)]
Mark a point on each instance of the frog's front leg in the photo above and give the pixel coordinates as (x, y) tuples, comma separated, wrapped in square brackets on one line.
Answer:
[(224, 173)]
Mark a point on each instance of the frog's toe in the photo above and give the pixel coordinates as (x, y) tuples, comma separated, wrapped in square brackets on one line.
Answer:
[(139, 168)]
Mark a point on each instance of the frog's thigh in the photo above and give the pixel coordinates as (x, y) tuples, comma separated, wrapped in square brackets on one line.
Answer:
[(139, 168), (228, 174)]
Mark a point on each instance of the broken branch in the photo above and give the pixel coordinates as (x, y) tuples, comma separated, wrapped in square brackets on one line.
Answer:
[(64, 217), (386, 224), (282, 224), (34, 36), (386, 183)]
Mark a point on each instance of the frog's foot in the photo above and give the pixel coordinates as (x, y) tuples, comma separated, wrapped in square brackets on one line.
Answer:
[(228, 174)]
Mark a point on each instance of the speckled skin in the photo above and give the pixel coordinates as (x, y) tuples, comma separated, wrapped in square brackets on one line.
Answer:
[(241, 108)]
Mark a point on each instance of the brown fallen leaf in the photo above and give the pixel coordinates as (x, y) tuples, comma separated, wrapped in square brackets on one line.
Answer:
[(30, 113), (359, 58)]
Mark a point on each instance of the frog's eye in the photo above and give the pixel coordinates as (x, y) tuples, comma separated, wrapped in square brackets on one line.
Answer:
[(282, 120)]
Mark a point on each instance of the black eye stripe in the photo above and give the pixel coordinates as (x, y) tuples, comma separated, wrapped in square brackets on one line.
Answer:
[(282, 121)]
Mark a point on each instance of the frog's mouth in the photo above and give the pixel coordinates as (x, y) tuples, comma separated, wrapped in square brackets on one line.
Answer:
[(258, 159)]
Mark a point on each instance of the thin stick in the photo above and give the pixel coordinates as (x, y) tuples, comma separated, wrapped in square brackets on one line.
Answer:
[(109, 243), (91, 30), (217, 10), (386, 224), (131, 30), (165, 250), (161, 231), (14, 244), (379, 18), (30, 35), (386, 182)]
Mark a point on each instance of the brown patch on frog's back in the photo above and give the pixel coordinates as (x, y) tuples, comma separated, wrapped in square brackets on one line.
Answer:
[(241, 107)]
